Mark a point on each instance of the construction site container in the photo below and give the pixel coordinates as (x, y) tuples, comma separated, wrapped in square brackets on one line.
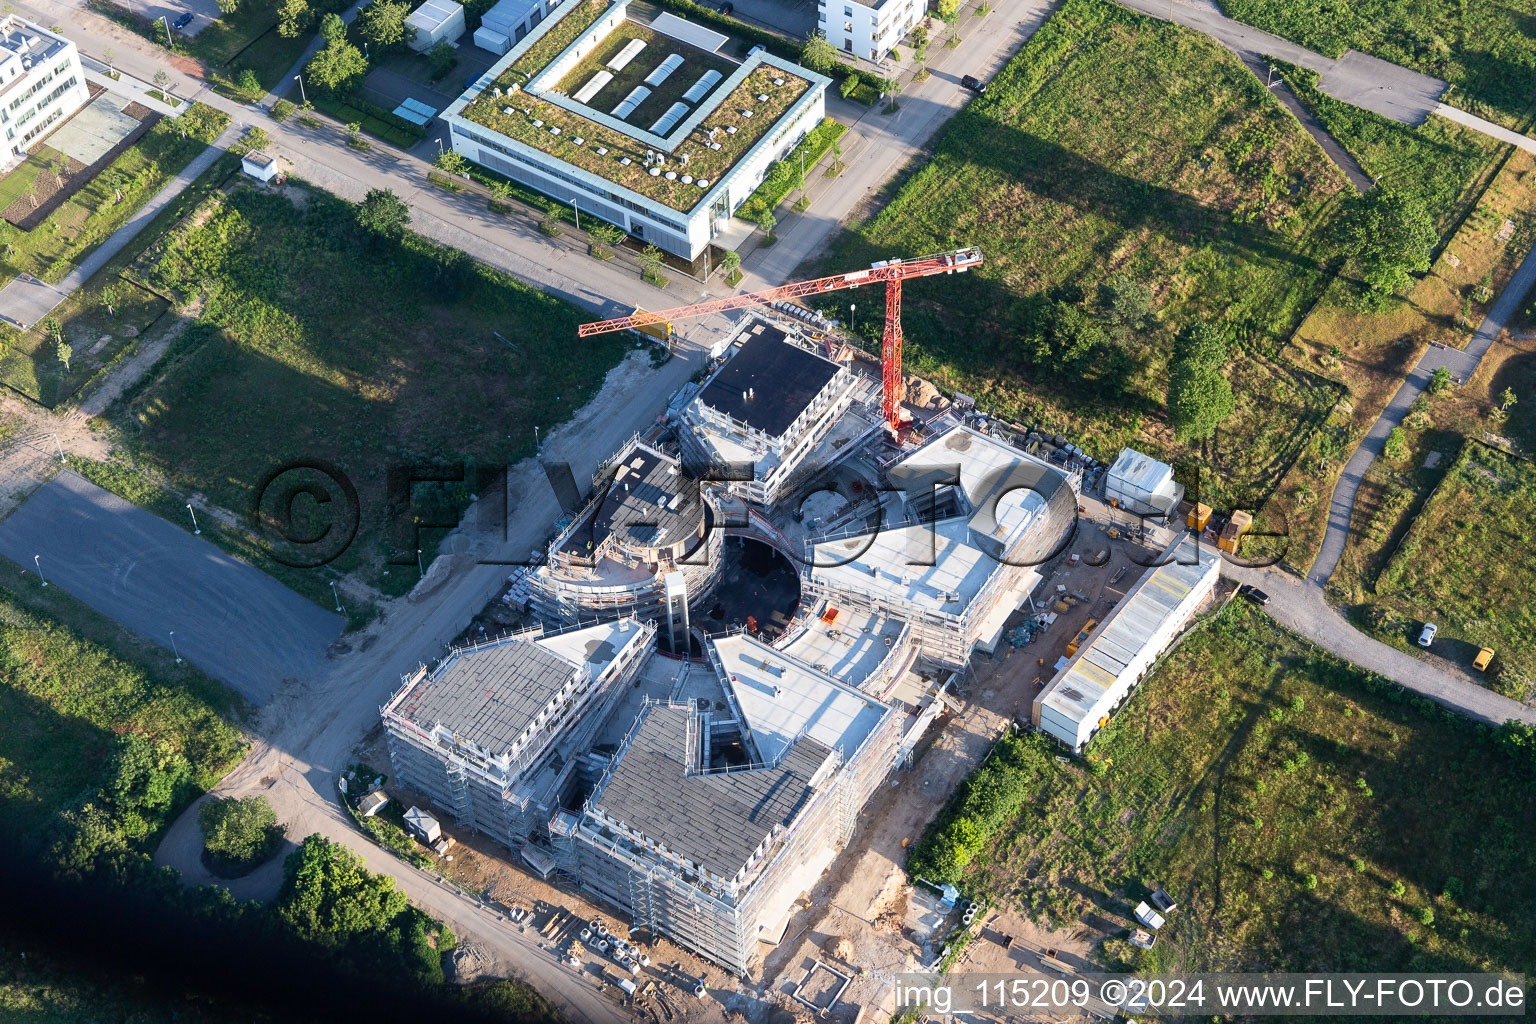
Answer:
[(1232, 533), (1199, 516), (1081, 637)]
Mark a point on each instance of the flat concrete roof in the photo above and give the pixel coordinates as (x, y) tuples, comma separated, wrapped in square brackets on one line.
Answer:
[(925, 564), (850, 647), (649, 503), (715, 819), (769, 380), (781, 699), (488, 696)]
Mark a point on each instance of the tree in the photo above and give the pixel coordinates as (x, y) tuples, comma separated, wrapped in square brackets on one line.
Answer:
[(1199, 395), (452, 162), (441, 59), (111, 295), (293, 17), (382, 23), (1388, 235), (602, 236), (383, 214), (247, 81), (228, 7), (1439, 381), (1507, 399), (947, 10), (161, 79), (818, 54), (238, 832), (503, 191), (1065, 338), (328, 898), (65, 352), (837, 156), (110, 56), (336, 67), (650, 262), (332, 27), (766, 220), (1125, 305), (731, 262)]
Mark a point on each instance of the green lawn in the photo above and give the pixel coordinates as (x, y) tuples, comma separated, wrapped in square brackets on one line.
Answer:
[(70, 681), (1467, 563), (1175, 169), (315, 342), (1484, 48), (1306, 816)]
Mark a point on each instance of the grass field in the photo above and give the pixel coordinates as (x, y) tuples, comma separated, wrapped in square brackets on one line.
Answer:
[(1484, 48), (1305, 815), (1467, 563), (71, 232), (28, 360), (70, 681), (316, 343), (1177, 170), (1369, 353)]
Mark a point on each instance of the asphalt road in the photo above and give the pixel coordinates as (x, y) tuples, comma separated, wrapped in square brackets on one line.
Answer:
[(230, 619)]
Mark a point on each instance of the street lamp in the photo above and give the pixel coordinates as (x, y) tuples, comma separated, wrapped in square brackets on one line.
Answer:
[(173, 647), (195, 529), (37, 560), (535, 437), (300, 80), (578, 212), (420, 571), (167, 26), (439, 141), (334, 595), (851, 308)]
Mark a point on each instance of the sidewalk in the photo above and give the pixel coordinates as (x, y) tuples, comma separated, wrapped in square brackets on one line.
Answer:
[(25, 301)]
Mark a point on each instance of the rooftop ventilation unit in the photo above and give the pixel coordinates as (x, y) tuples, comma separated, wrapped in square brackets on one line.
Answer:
[(664, 70)]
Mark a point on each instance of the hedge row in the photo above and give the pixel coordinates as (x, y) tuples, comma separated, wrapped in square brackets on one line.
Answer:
[(782, 176), (375, 120)]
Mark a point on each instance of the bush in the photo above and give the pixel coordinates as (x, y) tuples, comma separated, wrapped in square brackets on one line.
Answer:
[(784, 176), (282, 110), (375, 121), (851, 84), (239, 834)]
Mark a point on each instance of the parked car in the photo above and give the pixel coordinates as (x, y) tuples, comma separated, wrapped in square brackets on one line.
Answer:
[(727, 7), (184, 20), (1253, 594), (1427, 635), (974, 84)]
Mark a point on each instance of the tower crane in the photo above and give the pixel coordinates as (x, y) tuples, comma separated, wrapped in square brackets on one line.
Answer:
[(891, 272)]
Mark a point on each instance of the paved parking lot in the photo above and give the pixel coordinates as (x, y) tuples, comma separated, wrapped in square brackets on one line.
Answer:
[(204, 12), (230, 619)]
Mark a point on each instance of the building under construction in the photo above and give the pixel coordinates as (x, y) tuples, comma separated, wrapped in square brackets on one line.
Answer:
[(491, 734), (966, 524), (646, 543), (711, 821), (773, 413)]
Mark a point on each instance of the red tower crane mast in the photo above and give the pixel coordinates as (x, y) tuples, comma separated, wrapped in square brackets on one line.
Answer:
[(891, 272)]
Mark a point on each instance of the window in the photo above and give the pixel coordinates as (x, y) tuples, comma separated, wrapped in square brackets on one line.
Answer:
[(847, 26), (847, 12)]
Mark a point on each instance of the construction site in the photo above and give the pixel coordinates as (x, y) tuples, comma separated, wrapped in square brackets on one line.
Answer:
[(696, 762)]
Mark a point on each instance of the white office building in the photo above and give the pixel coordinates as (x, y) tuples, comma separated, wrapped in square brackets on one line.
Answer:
[(41, 83), (646, 125), (869, 30)]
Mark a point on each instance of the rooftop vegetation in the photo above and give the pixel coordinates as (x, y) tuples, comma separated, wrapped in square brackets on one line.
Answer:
[(737, 123)]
